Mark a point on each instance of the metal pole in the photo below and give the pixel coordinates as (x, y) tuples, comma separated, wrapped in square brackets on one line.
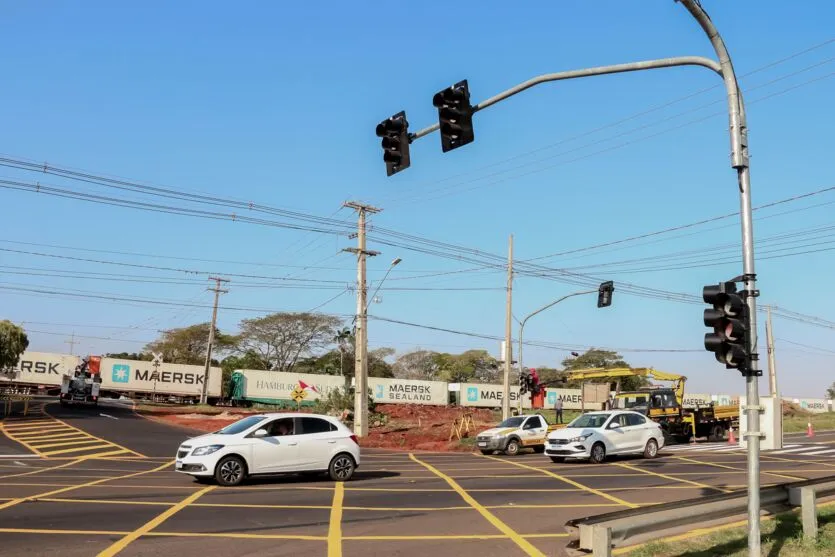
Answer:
[(508, 333), (525, 320), (739, 161), (217, 290), (772, 364)]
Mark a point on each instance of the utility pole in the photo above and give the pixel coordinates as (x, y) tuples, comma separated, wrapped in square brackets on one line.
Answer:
[(772, 363), (508, 344), (72, 342), (218, 291), (361, 320)]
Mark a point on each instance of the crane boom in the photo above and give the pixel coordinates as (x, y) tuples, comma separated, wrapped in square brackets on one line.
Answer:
[(600, 373)]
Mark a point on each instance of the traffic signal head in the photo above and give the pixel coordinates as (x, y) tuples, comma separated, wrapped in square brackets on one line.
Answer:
[(395, 134), (730, 322), (524, 381), (604, 294), (455, 116)]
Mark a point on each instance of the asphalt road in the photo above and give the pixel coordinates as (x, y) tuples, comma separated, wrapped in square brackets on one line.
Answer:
[(398, 504)]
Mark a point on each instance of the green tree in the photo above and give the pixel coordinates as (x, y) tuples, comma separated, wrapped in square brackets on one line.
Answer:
[(830, 392), (188, 345), (139, 356), (420, 364), (471, 366), (13, 343), (282, 339), (594, 358)]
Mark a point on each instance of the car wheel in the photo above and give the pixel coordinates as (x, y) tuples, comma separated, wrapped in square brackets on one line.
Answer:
[(341, 468), (598, 453), (718, 433), (557, 459), (486, 452), (651, 450), (539, 449), (512, 448), (231, 470)]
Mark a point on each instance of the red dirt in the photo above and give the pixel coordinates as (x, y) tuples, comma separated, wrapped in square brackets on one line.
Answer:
[(409, 427)]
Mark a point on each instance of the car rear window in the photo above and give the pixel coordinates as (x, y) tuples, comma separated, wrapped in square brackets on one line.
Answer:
[(315, 425)]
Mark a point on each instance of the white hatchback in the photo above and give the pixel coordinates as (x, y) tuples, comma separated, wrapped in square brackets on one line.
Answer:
[(269, 444), (595, 435)]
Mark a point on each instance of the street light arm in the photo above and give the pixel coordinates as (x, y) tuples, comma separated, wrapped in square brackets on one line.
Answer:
[(378, 288), (555, 302), (587, 72)]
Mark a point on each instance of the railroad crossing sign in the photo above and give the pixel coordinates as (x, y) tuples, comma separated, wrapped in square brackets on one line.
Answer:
[(298, 394), (157, 361)]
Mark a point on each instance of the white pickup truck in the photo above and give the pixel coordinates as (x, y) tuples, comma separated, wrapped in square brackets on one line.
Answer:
[(516, 433)]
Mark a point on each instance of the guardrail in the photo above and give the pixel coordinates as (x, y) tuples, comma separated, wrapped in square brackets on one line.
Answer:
[(597, 535)]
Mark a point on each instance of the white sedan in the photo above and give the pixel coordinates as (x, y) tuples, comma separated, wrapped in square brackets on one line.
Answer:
[(269, 444), (595, 435)]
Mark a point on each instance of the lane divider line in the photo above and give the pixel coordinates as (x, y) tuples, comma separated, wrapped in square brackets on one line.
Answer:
[(43, 469), (335, 525), (523, 544), (795, 478), (571, 482), (673, 478), (153, 523)]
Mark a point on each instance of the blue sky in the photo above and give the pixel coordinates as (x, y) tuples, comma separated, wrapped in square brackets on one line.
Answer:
[(276, 103)]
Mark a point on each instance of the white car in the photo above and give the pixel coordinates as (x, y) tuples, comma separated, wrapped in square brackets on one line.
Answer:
[(269, 444), (595, 435)]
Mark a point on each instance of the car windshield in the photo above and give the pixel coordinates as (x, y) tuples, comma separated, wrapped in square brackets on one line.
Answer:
[(515, 421), (240, 425), (589, 420)]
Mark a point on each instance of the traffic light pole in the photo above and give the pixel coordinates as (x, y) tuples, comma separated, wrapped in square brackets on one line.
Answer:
[(739, 161), (540, 310)]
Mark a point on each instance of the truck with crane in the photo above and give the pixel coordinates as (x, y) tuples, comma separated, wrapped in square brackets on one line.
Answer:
[(664, 405), (83, 385)]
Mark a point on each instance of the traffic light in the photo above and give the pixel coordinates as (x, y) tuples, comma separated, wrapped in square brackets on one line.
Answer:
[(395, 134), (455, 115), (604, 294), (730, 321), (536, 387), (524, 381)]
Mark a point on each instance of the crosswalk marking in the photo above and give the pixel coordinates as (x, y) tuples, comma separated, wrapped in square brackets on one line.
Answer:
[(798, 449), (828, 451)]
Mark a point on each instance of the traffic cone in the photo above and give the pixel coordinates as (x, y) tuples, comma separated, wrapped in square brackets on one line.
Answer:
[(731, 438), (809, 431)]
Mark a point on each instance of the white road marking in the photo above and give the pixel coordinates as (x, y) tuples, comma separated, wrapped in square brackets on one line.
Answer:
[(108, 416)]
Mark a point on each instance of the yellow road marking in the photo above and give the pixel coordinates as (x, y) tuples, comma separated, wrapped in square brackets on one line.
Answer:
[(105, 501), (153, 523), (65, 442), (76, 449), (451, 537), (63, 436), (335, 526), (803, 462), (673, 478), (35, 433), (572, 482), (737, 469), (523, 544), (93, 436), (79, 486), (44, 469)]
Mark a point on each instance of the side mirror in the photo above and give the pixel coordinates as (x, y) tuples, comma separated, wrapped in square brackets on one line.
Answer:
[(614, 425), (260, 433)]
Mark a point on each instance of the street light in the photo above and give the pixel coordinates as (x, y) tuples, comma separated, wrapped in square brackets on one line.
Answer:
[(394, 263), (604, 290)]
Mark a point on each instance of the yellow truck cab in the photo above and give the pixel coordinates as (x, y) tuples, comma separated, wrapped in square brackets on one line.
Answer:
[(516, 433)]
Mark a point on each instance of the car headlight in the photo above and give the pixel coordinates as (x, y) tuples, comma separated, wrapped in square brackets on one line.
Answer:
[(203, 451), (579, 438)]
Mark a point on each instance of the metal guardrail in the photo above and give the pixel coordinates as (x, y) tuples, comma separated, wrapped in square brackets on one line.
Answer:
[(597, 535)]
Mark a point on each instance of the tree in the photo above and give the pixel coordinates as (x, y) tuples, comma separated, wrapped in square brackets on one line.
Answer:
[(377, 364), (344, 339), (13, 343), (281, 339), (188, 345), (420, 364), (594, 358), (830, 392), (471, 366), (139, 356)]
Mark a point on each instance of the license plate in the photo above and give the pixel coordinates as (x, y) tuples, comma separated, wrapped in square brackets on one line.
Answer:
[(482, 444), (178, 466)]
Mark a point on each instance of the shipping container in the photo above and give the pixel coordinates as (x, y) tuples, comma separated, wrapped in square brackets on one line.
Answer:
[(277, 387), (41, 369), (180, 380), (408, 391)]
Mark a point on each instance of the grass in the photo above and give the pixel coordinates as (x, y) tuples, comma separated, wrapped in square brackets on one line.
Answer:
[(781, 536), (793, 424)]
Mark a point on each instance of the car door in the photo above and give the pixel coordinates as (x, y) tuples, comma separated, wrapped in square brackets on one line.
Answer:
[(533, 431), (278, 451), (640, 430), (318, 440), (617, 434)]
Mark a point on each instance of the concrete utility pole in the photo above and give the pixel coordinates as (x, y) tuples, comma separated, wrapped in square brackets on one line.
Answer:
[(361, 336), (508, 333), (772, 363), (218, 291)]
